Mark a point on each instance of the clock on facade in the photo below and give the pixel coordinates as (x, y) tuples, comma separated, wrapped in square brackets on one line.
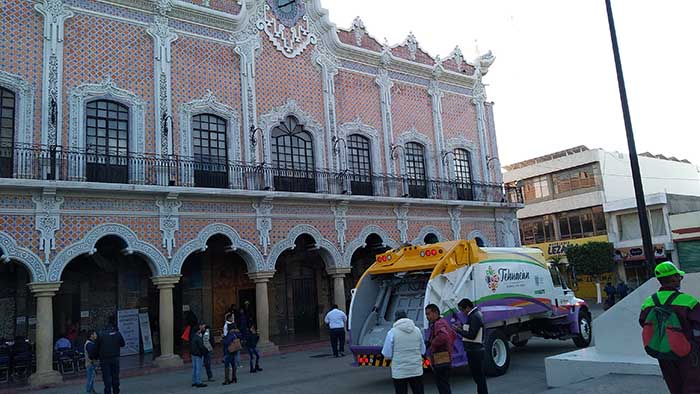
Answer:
[(287, 11)]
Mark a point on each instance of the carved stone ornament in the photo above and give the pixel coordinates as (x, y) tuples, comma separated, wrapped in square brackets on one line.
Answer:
[(162, 7), (424, 231), (10, 251), (402, 222), (359, 242), (340, 212), (263, 222), (156, 261), (209, 104), (358, 27), (455, 222), (290, 40), (24, 98), (331, 256), (169, 222), (47, 220), (458, 57), (412, 45)]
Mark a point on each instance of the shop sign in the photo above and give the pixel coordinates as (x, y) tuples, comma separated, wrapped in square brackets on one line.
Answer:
[(558, 248)]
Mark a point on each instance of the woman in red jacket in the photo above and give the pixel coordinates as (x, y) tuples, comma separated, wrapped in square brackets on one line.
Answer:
[(440, 344)]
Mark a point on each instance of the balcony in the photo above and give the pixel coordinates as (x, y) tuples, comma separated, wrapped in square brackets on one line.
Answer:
[(55, 163)]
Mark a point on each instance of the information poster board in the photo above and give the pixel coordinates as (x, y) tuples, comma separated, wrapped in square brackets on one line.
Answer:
[(145, 325), (128, 322)]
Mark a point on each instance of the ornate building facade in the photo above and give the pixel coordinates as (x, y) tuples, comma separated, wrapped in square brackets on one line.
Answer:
[(173, 156)]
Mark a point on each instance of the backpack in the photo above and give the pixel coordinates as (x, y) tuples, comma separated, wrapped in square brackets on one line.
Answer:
[(662, 332)]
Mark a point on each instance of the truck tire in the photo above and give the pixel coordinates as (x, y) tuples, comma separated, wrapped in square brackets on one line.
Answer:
[(583, 339), (496, 354)]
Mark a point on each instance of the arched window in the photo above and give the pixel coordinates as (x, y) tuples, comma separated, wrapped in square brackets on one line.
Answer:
[(107, 141), (292, 157), (7, 131), (209, 150), (415, 170), (360, 165), (463, 174)]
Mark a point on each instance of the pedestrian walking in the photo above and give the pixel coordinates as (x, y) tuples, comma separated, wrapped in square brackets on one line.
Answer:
[(405, 347), (671, 331), (336, 321), (622, 290), (232, 346), (440, 344), (109, 344), (252, 344), (91, 359), (198, 350), (609, 296), (472, 333), (208, 340)]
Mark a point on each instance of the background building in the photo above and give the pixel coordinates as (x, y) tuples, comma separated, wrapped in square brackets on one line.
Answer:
[(169, 157), (576, 196)]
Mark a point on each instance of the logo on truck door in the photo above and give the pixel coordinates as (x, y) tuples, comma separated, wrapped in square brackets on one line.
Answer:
[(492, 279)]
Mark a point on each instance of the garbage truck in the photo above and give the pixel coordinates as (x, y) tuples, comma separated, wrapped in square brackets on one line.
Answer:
[(519, 294)]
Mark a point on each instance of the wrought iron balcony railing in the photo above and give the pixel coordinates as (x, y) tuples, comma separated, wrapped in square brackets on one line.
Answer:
[(58, 164)]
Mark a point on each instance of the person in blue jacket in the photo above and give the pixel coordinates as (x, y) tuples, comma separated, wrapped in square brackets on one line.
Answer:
[(230, 357)]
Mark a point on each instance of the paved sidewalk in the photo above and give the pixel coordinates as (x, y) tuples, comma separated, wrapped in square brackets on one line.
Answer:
[(615, 384)]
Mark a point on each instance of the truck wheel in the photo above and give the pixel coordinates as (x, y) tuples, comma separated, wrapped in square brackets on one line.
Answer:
[(497, 353), (583, 339)]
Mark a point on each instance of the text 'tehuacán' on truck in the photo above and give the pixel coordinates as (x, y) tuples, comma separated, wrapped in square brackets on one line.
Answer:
[(518, 293)]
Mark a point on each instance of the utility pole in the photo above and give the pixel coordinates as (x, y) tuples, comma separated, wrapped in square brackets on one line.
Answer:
[(634, 159)]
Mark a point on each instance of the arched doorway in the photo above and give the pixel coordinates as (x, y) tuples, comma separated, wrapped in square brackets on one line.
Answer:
[(430, 238), (98, 287), (361, 260), (212, 281), (300, 293), (17, 305)]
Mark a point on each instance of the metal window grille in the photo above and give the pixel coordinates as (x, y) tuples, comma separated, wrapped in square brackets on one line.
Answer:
[(209, 150), (7, 131), (415, 170), (107, 141), (292, 157), (360, 165)]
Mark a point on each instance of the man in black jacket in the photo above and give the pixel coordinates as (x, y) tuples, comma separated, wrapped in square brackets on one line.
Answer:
[(109, 344), (472, 332), (197, 351)]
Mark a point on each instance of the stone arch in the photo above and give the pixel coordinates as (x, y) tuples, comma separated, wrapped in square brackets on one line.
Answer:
[(477, 233), (359, 242), (331, 256), (155, 259), (369, 132), (475, 162), (424, 231), (271, 119), (254, 260), (9, 250), (414, 135)]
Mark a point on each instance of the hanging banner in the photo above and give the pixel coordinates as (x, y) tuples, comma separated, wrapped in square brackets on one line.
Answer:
[(145, 332), (128, 322)]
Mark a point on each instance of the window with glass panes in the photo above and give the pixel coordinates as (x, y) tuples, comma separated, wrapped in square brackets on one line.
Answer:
[(292, 147), (7, 131), (575, 179), (463, 172), (209, 139), (415, 161), (359, 159), (537, 230), (107, 131), (536, 188), (581, 223)]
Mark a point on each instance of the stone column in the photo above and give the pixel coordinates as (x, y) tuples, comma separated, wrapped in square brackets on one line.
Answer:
[(262, 309), (338, 275), (44, 375), (165, 286)]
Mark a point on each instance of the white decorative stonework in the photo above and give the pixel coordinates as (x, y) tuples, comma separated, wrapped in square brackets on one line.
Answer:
[(329, 64), (330, 254), (47, 220), (358, 27), (458, 57), (263, 221), (163, 37), (412, 45), (273, 118), (385, 84), (251, 255), (169, 221), (424, 231), (455, 222), (479, 97), (508, 230), (156, 261), (345, 130), (478, 234), (359, 242), (247, 46), (340, 211), (107, 89), (290, 41), (55, 14), (402, 222), (436, 95), (9, 251)]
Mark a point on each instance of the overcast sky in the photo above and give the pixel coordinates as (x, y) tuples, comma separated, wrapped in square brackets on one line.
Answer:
[(554, 80)]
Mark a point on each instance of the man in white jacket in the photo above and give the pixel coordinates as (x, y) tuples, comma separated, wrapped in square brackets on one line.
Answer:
[(405, 347)]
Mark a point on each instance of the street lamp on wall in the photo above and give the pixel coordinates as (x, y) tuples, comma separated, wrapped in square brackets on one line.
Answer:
[(256, 134), (394, 153)]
